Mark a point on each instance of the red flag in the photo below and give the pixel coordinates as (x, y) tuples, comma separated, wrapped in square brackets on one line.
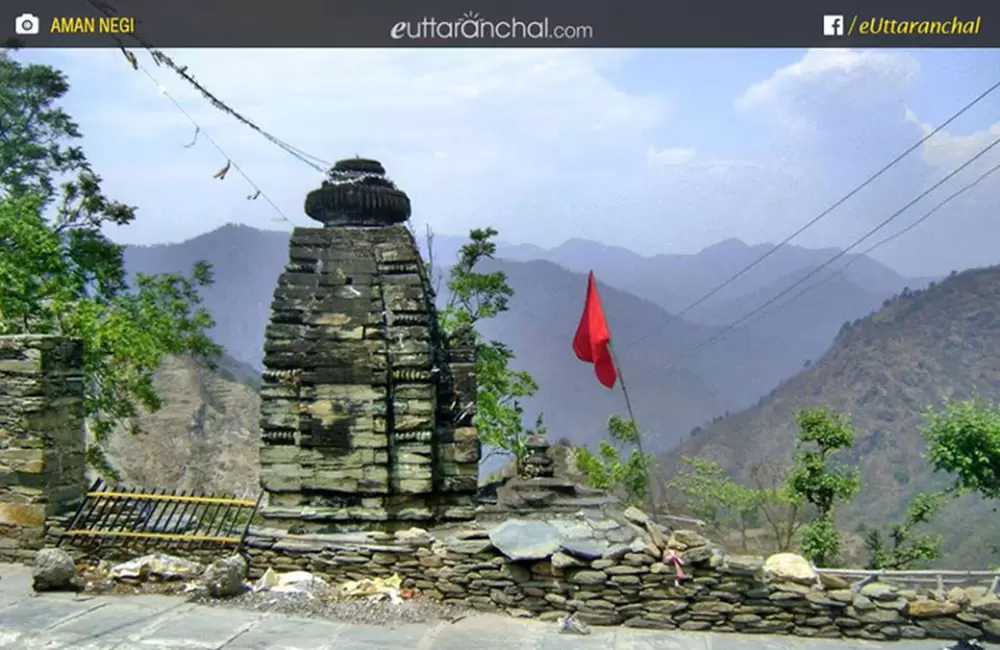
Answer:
[(593, 337)]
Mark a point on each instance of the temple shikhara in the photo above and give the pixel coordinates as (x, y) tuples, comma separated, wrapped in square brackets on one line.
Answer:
[(367, 407)]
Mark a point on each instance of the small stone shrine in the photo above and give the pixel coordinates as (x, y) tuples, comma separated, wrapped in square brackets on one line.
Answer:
[(537, 463), (366, 409)]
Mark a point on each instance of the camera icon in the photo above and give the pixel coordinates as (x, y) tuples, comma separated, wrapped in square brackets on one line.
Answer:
[(26, 24)]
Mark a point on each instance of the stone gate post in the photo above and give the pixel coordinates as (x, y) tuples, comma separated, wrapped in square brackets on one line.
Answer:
[(42, 438)]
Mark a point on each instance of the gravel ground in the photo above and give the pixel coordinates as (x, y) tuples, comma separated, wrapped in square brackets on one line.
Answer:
[(318, 604), (354, 610)]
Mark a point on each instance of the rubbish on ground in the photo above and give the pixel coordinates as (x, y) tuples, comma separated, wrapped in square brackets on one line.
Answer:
[(293, 582), (156, 566), (375, 589)]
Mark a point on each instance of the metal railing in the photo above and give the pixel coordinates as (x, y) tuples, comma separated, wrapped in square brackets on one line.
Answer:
[(940, 578), (115, 515)]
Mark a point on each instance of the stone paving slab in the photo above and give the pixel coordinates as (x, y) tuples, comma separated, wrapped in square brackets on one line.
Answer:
[(289, 634), (200, 627), (68, 622)]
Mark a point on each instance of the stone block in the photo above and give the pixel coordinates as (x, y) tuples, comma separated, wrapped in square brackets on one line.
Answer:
[(362, 392), (280, 454), (412, 485), (414, 422), (371, 439), (22, 514), (281, 477), (462, 483), (29, 461), (413, 407), (419, 455)]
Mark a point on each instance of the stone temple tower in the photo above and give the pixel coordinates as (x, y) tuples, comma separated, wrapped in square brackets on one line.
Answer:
[(366, 409)]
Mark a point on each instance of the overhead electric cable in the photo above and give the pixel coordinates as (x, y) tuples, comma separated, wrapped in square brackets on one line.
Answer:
[(162, 59), (697, 348), (672, 317), (883, 241)]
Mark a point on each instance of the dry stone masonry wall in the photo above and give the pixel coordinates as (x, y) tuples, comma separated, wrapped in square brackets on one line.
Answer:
[(549, 568), (42, 454), (366, 410)]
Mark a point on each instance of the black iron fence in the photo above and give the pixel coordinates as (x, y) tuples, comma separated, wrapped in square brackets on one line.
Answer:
[(116, 515)]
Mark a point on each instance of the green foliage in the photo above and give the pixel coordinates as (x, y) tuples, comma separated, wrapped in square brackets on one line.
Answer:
[(908, 548), (820, 541), (726, 504), (475, 296), (607, 469), (964, 440), (59, 274), (716, 498), (817, 482)]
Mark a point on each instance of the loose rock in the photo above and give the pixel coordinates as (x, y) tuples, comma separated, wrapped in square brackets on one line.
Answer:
[(226, 578), (54, 570), (789, 566)]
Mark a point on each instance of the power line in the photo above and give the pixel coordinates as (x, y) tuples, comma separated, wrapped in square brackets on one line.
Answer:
[(230, 164), (161, 59), (885, 240), (718, 335), (672, 317)]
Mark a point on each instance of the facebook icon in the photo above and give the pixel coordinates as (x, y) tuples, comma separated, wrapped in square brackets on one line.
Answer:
[(833, 25)]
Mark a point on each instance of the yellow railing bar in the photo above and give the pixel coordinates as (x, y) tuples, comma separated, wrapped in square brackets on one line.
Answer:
[(192, 538), (167, 497)]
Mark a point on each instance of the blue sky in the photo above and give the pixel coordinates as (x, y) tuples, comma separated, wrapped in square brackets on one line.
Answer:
[(660, 151)]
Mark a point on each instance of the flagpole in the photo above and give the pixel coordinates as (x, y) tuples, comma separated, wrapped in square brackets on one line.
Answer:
[(635, 423), (628, 402)]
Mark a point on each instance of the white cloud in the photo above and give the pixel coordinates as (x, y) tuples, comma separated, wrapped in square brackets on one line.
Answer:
[(949, 150), (670, 156), (847, 78)]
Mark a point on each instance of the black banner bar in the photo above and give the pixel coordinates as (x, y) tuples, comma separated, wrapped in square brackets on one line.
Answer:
[(507, 23)]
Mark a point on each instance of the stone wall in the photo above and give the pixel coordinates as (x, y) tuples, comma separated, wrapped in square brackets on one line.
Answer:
[(633, 583), (42, 444)]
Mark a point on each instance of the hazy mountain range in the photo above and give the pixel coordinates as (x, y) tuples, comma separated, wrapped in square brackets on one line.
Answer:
[(672, 391)]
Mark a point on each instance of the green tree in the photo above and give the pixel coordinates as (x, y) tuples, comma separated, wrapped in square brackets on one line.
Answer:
[(818, 482), (716, 498), (781, 508), (59, 274), (964, 440), (475, 296), (608, 470), (904, 547), (727, 505)]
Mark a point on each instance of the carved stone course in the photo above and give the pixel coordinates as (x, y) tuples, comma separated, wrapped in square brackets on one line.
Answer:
[(366, 410)]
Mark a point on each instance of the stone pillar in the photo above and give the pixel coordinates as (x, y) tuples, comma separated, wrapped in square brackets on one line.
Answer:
[(42, 437), (460, 451), (354, 432)]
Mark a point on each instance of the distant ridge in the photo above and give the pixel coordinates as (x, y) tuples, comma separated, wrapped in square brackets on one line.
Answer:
[(883, 371)]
